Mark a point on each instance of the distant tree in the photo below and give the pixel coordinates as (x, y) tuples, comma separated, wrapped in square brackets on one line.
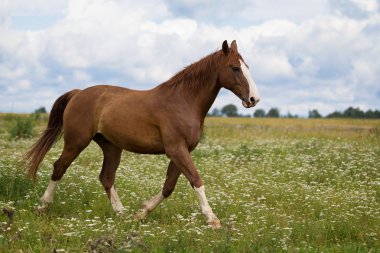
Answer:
[(273, 113), (335, 114), (230, 110), (314, 114), (376, 114), (40, 110), (289, 115), (369, 114), (215, 113), (372, 114), (259, 113), (351, 112)]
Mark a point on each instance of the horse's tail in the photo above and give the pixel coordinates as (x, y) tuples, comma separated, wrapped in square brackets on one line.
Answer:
[(51, 134)]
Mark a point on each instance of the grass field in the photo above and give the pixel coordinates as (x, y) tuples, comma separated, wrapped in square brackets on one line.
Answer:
[(294, 185)]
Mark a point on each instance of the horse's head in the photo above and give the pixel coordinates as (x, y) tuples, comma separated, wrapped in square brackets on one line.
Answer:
[(234, 76)]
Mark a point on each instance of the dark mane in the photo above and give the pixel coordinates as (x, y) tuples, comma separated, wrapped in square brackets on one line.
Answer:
[(197, 73)]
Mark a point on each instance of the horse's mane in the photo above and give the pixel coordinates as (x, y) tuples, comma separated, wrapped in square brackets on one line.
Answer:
[(197, 73)]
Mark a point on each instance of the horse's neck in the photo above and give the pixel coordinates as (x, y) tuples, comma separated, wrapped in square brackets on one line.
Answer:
[(200, 94), (196, 86), (197, 96), (203, 97)]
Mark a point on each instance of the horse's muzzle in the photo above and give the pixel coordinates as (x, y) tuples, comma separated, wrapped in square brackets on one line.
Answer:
[(251, 103)]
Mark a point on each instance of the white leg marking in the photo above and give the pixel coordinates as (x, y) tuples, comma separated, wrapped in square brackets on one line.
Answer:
[(148, 206), (253, 92), (206, 209), (115, 201), (47, 198), (154, 202)]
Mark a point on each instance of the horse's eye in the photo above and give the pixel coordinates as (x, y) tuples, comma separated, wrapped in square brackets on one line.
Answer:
[(236, 69)]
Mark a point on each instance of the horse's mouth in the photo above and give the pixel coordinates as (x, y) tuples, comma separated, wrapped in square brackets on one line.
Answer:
[(247, 104)]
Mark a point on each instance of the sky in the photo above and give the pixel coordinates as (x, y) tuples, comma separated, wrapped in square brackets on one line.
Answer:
[(303, 55)]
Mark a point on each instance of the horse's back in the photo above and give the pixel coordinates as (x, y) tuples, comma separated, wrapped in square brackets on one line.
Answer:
[(84, 106), (121, 115)]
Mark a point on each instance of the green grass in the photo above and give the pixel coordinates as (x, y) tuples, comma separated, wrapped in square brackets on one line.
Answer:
[(294, 185)]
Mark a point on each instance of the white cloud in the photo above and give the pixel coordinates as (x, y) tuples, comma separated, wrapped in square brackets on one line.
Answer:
[(19, 86), (82, 76), (241, 12), (366, 5), (22, 8), (356, 9), (272, 28), (271, 64), (299, 58), (184, 29)]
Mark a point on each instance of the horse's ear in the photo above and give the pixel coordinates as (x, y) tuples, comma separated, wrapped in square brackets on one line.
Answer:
[(234, 46), (225, 47)]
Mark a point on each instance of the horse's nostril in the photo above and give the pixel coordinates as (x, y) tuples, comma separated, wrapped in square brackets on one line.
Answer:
[(252, 99)]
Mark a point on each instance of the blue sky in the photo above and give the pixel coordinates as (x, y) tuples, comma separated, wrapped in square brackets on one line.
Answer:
[(303, 55)]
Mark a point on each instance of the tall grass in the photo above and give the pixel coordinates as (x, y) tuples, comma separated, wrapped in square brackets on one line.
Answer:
[(276, 184), (18, 126)]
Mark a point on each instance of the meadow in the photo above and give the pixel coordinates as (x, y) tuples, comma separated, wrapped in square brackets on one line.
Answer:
[(278, 185)]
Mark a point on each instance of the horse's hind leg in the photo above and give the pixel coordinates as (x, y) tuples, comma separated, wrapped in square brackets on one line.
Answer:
[(69, 153), (171, 180), (112, 155)]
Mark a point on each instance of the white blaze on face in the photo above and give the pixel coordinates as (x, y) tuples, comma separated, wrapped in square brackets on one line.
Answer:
[(253, 92)]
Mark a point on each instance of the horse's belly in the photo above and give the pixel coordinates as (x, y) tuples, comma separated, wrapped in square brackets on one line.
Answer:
[(135, 138), (139, 144)]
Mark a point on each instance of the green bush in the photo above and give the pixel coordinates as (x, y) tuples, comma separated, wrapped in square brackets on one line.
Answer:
[(22, 128)]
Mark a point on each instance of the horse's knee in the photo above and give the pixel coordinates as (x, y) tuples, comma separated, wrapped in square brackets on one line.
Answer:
[(68, 155), (106, 181), (58, 171), (167, 191), (196, 181)]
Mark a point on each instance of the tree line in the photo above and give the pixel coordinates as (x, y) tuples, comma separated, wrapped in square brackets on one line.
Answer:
[(231, 110)]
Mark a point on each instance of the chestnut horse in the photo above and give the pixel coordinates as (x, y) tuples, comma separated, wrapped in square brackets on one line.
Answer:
[(167, 119)]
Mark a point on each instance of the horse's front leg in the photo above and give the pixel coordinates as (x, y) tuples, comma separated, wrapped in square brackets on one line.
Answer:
[(181, 157)]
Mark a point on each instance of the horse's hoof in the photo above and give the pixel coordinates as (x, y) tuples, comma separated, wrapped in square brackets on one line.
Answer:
[(214, 223), (41, 209), (140, 214)]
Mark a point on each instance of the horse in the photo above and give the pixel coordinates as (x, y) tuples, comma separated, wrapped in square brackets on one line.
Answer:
[(167, 119)]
